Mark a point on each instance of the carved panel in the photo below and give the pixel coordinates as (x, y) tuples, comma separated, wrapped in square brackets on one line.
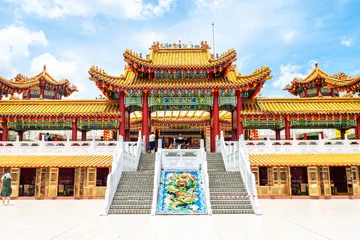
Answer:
[(15, 175), (53, 182), (38, 183), (355, 179), (314, 185), (270, 176)]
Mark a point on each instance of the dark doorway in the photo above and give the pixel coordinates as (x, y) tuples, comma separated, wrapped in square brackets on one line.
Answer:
[(27, 182), (299, 181), (66, 182), (338, 181), (101, 177), (263, 176)]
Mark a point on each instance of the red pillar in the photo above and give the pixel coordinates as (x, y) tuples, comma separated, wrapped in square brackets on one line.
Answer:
[(40, 136), (233, 131), (21, 135), (122, 112), (278, 134), (83, 135), (42, 90), (4, 130), (216, 114), (212, 141), (74, 130), (357, 129), (332, 92), (318, 89), (55, 94), (287, 129), (238, 114), (56, 137), (305, 93), (342, 133), (1, 94), (145, 118), (127, 131), (29, 94)]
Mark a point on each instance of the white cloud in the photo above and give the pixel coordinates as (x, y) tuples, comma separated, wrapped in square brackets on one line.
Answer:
[(15, 42), (57, 68), (88, 28), (289, 36), (287, 74), (212, 4), (144, 39), (346, 41), (132, 9)]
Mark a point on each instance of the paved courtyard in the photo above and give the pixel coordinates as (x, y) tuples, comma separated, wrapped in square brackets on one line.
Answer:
[(282, 219)]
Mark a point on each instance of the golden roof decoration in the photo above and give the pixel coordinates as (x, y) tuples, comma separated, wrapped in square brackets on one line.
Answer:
[(340, 81), (21, 83)]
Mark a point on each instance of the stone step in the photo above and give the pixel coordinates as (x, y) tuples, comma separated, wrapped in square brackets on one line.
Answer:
[(218, 192), (131, 206), (227, 185), (137, 184), (133, 198), (223, 206), (133, 194), (216, 201), (233, 211), (131, 202), (131, 190), (130, 211)]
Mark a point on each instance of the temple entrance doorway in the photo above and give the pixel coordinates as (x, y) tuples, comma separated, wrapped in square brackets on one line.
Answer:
[(299, 181), (66, 182), (338, 181), (27, 182)]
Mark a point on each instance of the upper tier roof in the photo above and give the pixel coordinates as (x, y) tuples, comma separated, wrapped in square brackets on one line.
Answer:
[(21, 83), (129, 80), (173, 56), (339, 81)]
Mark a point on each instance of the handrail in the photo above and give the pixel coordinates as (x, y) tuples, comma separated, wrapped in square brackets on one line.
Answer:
[(127, 159), (235, 159)]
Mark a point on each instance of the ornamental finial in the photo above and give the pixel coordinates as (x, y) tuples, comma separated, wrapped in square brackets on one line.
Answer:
[(316, 65), (44, 67)]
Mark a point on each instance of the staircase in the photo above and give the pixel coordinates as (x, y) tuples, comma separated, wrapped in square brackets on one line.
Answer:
[(224, 184), (135, 190)]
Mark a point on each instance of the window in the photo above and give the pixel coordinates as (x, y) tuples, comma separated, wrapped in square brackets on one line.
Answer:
[(101, 176)]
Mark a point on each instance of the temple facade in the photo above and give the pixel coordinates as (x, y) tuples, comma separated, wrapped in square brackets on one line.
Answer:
[(177, 88)]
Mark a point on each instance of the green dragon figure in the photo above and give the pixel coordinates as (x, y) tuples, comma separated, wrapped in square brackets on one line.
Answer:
[(183, 188)]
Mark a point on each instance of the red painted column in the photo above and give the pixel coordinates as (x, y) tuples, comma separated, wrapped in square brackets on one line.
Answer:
[(74, 130), (318, 89), (342, 133), (42, 90), (233, 131), (216, 116), (127, 131), (305, 93), (238, 114), (1, 92), (122, 112), (83, 135), (55, 94), (287, 129), (29, 94), (4, 130), (145, 118), (357, 128), (212, 138), (332, 92), (21, 135), (278, 134)]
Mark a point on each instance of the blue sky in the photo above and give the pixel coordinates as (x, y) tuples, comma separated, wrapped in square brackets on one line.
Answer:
[(70, 36)]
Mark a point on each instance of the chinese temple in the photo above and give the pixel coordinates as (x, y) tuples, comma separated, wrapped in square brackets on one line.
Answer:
[(178, 88)]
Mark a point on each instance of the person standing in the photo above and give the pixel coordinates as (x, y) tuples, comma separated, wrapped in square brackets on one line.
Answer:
[(151, 142), (6, 188)]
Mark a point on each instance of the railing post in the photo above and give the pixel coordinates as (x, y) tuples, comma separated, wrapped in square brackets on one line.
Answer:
[(222, 135), (93, 145), (17, 145), (67, 144), (216, 143), (42, 144), (202, 144), (159, 144)]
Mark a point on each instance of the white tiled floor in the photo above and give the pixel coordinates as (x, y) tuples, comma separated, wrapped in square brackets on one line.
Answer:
[(282, 219)]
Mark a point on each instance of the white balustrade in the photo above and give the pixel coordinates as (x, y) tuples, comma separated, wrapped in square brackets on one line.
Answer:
[(126, 159), (67, 147), (177, 159), (235, 159)]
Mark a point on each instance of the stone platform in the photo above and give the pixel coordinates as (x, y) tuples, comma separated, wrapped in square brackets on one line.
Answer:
[(282, 219)]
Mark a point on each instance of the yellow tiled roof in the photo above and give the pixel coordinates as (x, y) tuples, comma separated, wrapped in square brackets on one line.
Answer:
[(56, 161), (294, 106), (180, 57), (22, 82), (57, 108), (233, 79), (258, 160), (340, 81)]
